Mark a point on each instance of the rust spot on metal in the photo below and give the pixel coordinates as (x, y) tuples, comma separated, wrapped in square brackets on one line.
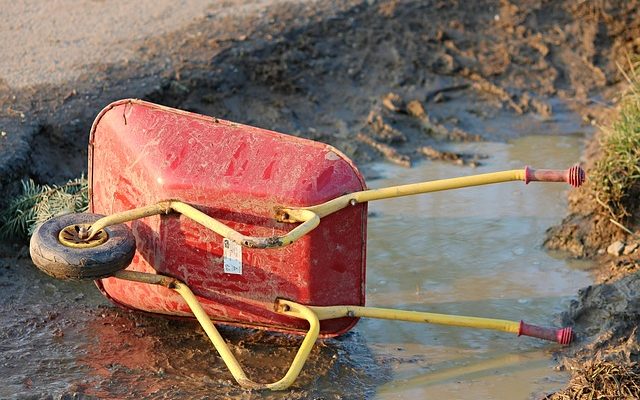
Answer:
[(331, 156), (170, 283), (280, 307), (124, 112), (166, 205), (266, 243), (274, 241), (281, 215)]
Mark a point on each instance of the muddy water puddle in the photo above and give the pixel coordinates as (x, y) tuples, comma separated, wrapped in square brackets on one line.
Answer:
[(474, 251)]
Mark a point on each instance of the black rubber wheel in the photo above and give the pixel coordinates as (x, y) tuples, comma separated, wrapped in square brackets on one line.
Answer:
[(89, 263)]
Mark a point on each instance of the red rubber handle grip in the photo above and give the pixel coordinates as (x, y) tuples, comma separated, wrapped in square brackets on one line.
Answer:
[(574, 176), (563, 336)]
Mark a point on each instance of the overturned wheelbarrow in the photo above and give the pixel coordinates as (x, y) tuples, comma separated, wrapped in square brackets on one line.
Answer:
[(196, 216)]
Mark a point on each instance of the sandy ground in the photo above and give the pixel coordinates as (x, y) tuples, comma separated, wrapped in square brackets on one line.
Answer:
[(53, 42)]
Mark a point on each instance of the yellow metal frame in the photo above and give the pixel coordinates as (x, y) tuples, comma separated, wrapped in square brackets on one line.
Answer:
[(352, 199), (285, 307), (309, 217), (330, 312), (309, 221), (313, 315)]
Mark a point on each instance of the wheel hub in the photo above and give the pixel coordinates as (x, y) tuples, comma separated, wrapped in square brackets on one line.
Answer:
[(76, 236)]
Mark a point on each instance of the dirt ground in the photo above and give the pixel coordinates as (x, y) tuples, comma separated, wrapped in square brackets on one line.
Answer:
[(605, 315), (322, 72), (378, 79)]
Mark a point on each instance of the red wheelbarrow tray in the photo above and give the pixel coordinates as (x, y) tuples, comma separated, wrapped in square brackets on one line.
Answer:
[(141, 153)]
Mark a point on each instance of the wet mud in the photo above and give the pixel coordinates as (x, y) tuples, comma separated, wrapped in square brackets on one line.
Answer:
[(401, 81), (64, 340), (80, 345)]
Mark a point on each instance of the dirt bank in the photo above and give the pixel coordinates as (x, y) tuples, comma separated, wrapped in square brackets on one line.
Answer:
[(388, 79), (603, 225), (606, 315)]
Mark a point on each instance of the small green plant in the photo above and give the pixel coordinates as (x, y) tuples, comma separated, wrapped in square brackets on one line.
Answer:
[(38, 203), (616, 176)]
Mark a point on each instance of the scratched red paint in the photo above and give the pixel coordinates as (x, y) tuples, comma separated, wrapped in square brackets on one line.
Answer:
[(141, 153)]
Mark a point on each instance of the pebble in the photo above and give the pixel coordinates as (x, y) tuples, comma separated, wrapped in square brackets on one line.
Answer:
[(630, 248), (615, 248)]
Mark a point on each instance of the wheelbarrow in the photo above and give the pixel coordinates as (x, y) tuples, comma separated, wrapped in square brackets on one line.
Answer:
[(194, 216)]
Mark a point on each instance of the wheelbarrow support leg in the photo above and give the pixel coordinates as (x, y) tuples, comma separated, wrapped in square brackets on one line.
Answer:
[(285, 307)]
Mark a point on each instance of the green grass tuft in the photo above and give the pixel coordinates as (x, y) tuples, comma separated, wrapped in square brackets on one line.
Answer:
[(38, 203), (616, 176)]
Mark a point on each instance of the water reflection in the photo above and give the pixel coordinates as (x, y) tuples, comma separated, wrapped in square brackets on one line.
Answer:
[(474, 251)]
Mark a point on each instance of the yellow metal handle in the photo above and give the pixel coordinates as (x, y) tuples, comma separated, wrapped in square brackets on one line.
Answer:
[(341, 202), (310, 216), (331, 312), (563, 336)]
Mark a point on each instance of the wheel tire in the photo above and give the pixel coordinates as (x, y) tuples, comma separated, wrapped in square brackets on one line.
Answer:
[(69, 263)]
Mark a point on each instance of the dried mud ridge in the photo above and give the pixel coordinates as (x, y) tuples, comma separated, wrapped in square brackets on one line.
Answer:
[(326, 76), (388, 79)]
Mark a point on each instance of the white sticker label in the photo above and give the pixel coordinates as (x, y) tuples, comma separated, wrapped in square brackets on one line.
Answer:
[(232, 257)]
